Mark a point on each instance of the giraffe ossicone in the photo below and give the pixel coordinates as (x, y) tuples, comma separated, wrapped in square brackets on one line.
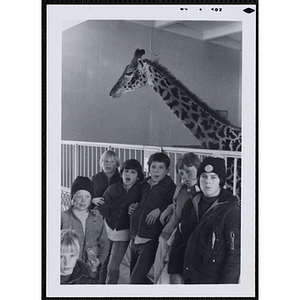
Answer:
[(209, 128)]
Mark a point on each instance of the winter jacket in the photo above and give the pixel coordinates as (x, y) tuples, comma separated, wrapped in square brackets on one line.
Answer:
[(117, 201), (81, 275), (159, 196), (207, 250), (100, 182), (95, 236)]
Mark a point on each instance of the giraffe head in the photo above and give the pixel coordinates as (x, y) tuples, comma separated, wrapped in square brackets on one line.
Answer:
[(132, 77)]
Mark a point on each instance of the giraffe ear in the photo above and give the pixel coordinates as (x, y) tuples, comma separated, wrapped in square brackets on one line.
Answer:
[(140, 62)]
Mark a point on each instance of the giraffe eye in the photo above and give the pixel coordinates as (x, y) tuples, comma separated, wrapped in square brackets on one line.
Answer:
[(129, 73)]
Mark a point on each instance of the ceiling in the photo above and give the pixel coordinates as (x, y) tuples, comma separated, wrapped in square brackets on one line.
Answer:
[(225, 33)]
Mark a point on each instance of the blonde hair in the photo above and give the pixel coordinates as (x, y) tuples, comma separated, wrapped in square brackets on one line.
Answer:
[(69, 242), (112, 154)]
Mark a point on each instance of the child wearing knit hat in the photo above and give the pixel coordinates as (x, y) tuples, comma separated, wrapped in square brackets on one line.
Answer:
[(206, 249), (87, 224)]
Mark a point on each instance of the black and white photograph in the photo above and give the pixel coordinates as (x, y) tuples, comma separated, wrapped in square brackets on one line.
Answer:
[(151, 151)]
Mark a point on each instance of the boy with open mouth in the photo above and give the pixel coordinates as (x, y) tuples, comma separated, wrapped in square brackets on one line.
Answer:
[(114, 208)]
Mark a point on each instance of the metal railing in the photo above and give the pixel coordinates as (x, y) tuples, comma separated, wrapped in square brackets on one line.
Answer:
[(82, 158)]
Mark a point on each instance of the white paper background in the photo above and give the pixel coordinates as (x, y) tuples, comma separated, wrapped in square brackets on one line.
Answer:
[(21, 150), (56, 17)]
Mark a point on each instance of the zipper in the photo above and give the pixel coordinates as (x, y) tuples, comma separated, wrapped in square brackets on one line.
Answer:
[(232, 236), (213, 239)]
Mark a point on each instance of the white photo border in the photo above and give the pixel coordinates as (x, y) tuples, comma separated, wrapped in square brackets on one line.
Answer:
[(56, 14)]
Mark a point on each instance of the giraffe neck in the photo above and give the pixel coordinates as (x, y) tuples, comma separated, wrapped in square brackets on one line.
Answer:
[(202, 121)]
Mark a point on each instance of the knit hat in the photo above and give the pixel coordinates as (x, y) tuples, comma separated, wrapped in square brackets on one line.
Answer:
[(135, 165), (213, 164), (82, 183)]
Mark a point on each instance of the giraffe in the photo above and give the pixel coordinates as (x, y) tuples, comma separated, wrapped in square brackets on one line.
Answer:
[(213, 131)]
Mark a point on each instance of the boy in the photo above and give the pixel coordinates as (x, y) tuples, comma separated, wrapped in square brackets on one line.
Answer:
[(209, 232), (114, 208), (109, 163), (87, 224), (156, 194), (72, 269), (187, 167)]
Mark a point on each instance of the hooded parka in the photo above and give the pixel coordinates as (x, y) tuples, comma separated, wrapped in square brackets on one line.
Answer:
[(207, 249)]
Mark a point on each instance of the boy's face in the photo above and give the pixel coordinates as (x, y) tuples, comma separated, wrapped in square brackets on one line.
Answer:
[(129, 177), (158, 171), (109, 165), (68, 262), (210, 184), (82, 200), (188, 175)]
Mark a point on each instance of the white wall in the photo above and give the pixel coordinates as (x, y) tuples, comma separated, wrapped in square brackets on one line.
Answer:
[(95, 54)]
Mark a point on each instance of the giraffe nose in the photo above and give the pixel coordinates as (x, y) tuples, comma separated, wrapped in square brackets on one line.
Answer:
[(114, 94), (111, 94)]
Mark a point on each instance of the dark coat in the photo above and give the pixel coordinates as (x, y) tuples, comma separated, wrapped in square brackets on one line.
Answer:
[(207, 250), (157, 196), (81, 275), (100, 182), (117, 201)]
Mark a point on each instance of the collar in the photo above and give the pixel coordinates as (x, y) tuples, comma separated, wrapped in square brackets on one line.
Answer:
[(91, 212), (224, 196), (166, 181), (195, 188)]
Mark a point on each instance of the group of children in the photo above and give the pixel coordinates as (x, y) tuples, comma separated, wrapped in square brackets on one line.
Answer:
[(189, 233)]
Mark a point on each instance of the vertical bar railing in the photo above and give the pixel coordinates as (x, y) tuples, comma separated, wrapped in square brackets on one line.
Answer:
[(82, 158), (234, 177)]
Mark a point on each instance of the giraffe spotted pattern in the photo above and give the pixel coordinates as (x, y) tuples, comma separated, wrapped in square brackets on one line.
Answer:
[(213, 131)]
